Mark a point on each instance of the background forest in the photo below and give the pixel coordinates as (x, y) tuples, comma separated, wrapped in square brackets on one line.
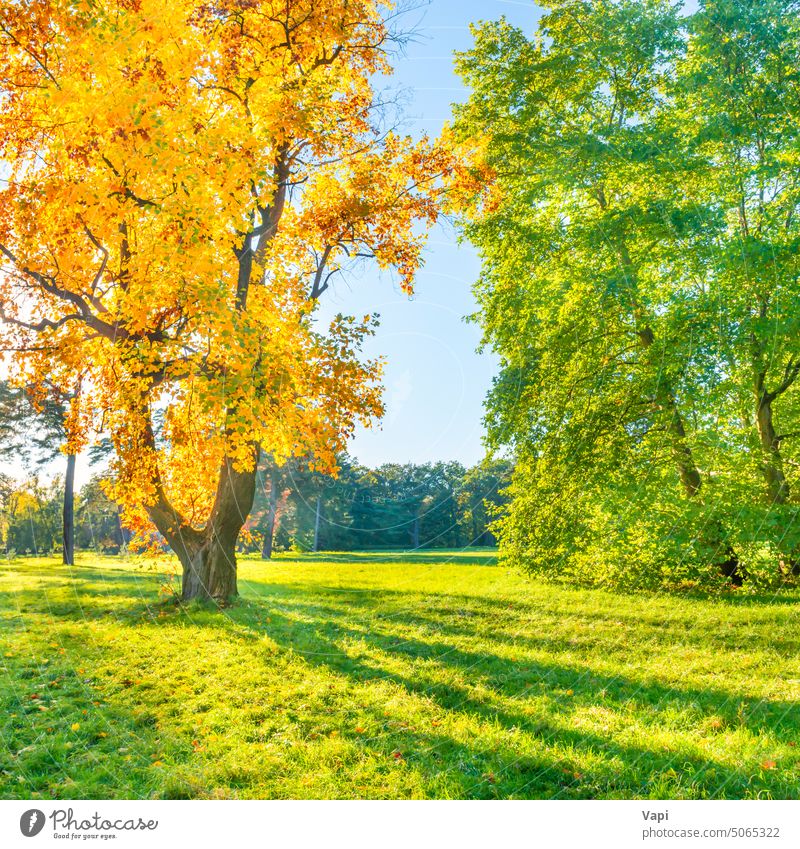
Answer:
[(431, 505)]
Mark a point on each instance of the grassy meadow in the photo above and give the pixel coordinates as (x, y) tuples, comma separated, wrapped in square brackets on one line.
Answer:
[(431, 675)]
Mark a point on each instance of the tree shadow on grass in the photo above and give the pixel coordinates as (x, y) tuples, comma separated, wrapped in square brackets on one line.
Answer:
[(555, 764), (536, 748), (509, 623), (498, 691)]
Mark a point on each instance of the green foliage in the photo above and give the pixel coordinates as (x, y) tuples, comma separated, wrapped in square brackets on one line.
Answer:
[(641, 286), (431, 505), (32, 430), (30, 516), (427, 675), (98, 525)]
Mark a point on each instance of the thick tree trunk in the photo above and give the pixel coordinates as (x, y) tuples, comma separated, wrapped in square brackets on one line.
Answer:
[(209, 562), (269, 529), (772, 464), (208, 556), (68, 548), (209, 569)]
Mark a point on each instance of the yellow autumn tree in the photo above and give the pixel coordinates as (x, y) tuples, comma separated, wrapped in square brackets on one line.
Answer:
[(180, 181)]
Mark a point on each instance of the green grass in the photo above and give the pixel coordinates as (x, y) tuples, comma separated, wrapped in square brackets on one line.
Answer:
[(389, 676)]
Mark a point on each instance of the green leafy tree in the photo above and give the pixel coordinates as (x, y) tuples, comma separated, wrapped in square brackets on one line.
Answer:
[(32, 517), (639, 280)]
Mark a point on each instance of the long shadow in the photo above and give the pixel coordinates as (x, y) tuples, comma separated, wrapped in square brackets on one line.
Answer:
[(508, 621), (545, 774), (328, 618), (431, 556), (334, 608), (514, 679)]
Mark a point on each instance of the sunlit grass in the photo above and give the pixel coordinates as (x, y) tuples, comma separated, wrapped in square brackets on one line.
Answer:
[(389, 675)]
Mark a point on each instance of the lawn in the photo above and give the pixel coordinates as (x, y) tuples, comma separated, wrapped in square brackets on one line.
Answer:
[(436, 675)]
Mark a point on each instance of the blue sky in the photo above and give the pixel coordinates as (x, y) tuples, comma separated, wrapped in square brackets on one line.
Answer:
[(435, 381)]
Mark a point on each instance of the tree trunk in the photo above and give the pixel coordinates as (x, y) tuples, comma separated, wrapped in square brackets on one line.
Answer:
[(269, 529), (684, 459), (687, 470), (208, 556), (68, 548), (681, 451), (777, 485), (316, 523), (209, 569)]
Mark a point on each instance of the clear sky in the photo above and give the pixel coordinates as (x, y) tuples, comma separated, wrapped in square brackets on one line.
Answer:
[(435, 381)]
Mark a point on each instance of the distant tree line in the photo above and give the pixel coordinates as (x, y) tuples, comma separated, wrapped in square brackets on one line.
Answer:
[(432, 505), (429, 505)]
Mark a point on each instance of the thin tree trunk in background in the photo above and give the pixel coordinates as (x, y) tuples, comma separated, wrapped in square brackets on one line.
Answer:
[(269, 530), (124, 533), (68, 548), (316, 523), (415, 532)]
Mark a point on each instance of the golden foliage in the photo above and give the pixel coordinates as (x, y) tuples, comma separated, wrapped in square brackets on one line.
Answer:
[(180, 181)]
